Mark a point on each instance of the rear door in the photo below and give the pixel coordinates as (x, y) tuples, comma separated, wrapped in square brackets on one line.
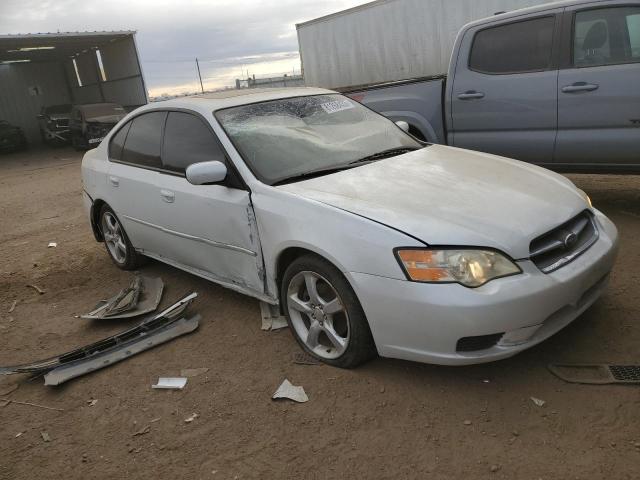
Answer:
[(209, 228), (504, 93), (599, 86), (134, 155)]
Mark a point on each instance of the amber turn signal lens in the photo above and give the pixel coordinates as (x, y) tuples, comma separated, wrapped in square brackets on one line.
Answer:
[(419, 265)]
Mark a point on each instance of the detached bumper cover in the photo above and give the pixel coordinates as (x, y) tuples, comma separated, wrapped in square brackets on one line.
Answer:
[(160, 328), (424, 322)]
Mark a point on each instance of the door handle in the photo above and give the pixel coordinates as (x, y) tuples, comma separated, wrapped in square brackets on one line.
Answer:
[(115, 181), (167, 196), (580, 87), (471, 95)]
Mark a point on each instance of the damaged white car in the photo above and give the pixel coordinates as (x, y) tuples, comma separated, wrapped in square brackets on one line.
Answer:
[(369, 240)]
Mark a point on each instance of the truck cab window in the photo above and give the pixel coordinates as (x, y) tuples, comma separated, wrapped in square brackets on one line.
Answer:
[(517, 47), (606, 36)]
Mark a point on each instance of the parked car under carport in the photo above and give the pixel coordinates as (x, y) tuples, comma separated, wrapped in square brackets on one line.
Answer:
[(92, 122), (11, 137)]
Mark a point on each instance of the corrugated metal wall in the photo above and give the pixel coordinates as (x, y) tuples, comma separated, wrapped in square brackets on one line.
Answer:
[(56, 83), (26, 88), (390, 40)]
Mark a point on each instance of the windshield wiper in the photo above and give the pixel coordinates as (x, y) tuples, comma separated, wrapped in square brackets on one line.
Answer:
[(311, 174), (392, 152)]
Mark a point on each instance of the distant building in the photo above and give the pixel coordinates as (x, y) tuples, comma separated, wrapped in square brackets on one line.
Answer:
[(276, 82)]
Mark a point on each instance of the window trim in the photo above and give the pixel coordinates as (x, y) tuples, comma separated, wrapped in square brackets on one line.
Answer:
[(553, 58), (232, 170), (569, 60)]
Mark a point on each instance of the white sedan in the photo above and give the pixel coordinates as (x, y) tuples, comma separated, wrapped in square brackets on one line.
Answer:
[(368, 240)]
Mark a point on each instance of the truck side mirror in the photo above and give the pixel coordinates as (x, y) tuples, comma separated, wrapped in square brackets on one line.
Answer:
[(404, 126)]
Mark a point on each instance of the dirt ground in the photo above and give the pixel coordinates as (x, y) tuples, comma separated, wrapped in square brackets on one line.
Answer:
[(386, 419)]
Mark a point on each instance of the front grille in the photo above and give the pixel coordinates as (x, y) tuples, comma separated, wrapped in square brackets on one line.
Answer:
[(565, 243), (625, 373), (480, 342), (62, 122)]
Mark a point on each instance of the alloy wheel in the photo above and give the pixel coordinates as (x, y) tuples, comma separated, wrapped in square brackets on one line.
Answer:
[(114, 237), (318, 315)]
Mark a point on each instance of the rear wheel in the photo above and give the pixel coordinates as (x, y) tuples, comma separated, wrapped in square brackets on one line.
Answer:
[(115, 239), (324, 313)]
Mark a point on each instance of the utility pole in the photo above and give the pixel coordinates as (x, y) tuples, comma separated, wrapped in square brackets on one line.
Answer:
[(199, 76)]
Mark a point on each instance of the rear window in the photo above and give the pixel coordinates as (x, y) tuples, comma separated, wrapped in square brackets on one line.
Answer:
[(188, 140), (142, 146), (514, 48), (117, 142)]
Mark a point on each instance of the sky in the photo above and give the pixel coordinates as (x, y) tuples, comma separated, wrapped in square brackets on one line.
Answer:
[(229, 38)]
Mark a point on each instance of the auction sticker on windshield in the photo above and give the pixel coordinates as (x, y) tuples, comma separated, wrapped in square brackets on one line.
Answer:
[(336, 106)]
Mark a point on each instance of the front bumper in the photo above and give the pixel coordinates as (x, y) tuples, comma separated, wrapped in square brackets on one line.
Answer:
[(424, 322)]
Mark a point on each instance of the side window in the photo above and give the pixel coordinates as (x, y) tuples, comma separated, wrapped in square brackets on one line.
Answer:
[(518, 47), (188, 140), (606, 36), (142, 146), (633, 26), (117, 142)]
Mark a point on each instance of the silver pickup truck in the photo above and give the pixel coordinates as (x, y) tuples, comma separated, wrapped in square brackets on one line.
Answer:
[(557, 85)]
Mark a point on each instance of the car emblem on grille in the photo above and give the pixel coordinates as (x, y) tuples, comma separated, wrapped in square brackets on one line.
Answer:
[(570, 240)]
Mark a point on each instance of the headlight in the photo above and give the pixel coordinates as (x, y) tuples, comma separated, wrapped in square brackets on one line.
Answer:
[(469, 267)]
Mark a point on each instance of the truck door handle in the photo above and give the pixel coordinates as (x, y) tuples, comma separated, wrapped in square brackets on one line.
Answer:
[(167, 196), (115, 181), (471, 95), (580, 87)]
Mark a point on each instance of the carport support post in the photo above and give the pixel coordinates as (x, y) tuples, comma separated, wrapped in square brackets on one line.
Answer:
[(199, 76), (99, 75)]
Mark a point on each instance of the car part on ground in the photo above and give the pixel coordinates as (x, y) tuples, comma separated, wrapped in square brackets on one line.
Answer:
[(272, 319), (596, 374), (11, 137), (170, 383), (166, 325), (142, 296), (291, 392)]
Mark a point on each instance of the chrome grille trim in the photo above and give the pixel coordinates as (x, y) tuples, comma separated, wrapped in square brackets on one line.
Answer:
[(565, 243)]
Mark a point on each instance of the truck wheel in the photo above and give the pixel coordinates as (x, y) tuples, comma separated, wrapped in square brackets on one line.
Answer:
[(117, 242), (324, 314)]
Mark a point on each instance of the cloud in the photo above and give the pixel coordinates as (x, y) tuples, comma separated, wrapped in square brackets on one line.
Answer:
[(226, 36)]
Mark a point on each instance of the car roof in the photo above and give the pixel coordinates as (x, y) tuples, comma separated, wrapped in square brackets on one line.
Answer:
[(236, 97), (531, 10)]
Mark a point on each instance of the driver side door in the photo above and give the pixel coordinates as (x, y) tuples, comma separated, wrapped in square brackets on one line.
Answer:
[(207, 229)]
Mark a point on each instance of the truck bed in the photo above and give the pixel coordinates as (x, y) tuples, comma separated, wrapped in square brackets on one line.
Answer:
[(417, 101)]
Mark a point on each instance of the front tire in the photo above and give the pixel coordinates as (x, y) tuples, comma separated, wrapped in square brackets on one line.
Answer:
[(117, 242), (324, 314)]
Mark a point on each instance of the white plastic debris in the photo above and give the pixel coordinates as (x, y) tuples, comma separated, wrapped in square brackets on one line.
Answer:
[(292, 392), (271, 318), (175, 383), (538, 402), (52, 245), (191, 418)]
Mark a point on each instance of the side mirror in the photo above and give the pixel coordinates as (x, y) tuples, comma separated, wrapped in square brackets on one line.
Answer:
[(206, 172), (404, 126)]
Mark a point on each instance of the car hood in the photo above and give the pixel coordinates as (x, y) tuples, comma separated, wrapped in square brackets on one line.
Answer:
[(449, 196)]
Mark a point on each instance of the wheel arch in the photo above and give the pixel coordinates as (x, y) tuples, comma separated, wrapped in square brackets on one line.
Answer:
[(290, 253), (94, 214)]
